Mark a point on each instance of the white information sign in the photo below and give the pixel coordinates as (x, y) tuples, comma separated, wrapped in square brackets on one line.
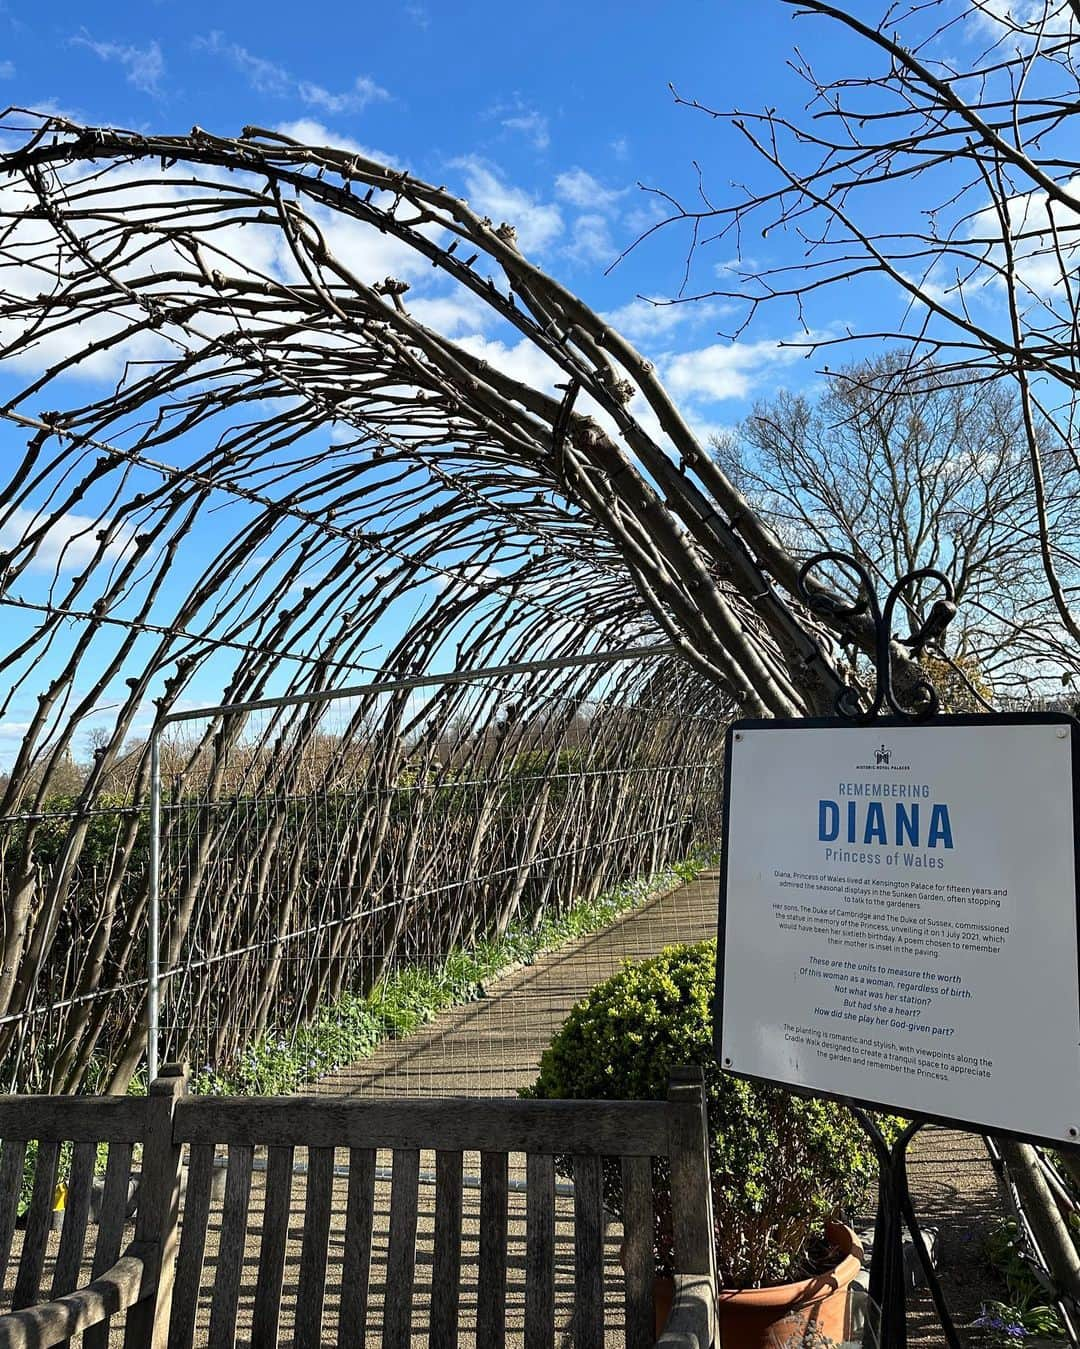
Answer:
[(898, 919)]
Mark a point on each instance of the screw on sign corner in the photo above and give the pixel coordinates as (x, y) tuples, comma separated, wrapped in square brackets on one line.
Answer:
[(1074, 1132)]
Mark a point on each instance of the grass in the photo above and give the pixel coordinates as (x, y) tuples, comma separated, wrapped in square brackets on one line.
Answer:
[(409, 997)]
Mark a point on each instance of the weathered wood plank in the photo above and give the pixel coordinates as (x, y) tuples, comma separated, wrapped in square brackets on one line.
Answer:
[(539, 1251), (588, 1253), (230, 1259), (76, 1214), (50, 1323), (446, 1262), (491, 1281), (114, 1202), (638, 1257), (311, 1291), (691, 1194), (275, 1231), (591, 1128), (147, 1325), (80, 1119), (401, 1255), (11, 1176), (189, 1265), (38, 1225), (356, 1259)]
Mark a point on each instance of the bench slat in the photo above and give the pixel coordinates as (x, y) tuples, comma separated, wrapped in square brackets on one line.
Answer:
[(114, 1202), (230, 1259), (79, 1119), (38, 1225), (588, 1253), (11, 1178), (76, 1213), (189, 1263), (401, 1256), (446, 1263), (591, 1128), (356, 1259), (491, 1289), (275, 1231), (311, 1291), (539, 1251), (638, 1225)]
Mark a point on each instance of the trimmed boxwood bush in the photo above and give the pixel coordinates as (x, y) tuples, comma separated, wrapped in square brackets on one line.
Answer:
[(781, 1164)]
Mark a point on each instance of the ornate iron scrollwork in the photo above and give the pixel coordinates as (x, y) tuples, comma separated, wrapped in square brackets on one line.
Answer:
[(941, 615)]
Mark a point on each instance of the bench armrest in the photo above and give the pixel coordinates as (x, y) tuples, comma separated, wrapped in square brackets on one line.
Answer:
[(48, 1323), (692, 1323)]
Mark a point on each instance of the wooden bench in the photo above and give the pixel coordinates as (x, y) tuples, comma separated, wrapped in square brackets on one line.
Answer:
[(151, 1286)]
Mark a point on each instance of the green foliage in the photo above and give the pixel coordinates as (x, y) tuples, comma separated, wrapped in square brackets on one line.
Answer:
[(106, 824), (781, 1164), (412, 995), (1027, 1312)]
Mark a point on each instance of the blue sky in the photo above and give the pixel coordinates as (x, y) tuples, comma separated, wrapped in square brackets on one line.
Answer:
[(553, 112), (548, 116)]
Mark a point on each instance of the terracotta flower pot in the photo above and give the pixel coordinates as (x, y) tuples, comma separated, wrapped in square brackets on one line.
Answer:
[(771, 1318)]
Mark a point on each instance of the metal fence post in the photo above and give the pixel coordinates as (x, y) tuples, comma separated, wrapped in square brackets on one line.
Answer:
[(153, 904)]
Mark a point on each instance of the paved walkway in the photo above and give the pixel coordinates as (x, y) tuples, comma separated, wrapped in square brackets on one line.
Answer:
[(492, 1047)]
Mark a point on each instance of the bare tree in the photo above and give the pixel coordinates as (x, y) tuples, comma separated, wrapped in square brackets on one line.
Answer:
[(939, 174), (909, 469)]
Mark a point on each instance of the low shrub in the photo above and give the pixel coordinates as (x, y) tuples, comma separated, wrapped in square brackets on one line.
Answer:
[(781, 1164)]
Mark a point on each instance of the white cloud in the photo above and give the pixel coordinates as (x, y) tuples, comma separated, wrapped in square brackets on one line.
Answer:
[(621, 149), (7, 70), (737, 264), (725, 369), (1000, 17), (582, 190), (527, 121), (144, 66), (70, 542), (590, 239), (645, 318), (1045, 240), (523, 361), (533, 125), (311, 132), (457, 315), (268, 77), (538, 223), (363, 92)]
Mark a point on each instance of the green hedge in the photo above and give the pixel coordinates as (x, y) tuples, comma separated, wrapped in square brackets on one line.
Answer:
[(781, 1164)]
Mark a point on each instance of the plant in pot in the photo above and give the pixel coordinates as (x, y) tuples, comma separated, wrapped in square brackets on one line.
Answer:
[(786, 1170)]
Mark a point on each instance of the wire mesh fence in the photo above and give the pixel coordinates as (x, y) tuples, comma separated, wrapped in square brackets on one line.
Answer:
[(357, 863), (333, 872)]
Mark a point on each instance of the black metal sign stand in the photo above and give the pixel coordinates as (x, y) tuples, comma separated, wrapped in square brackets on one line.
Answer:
[(888, 1283), (888, 1279)]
